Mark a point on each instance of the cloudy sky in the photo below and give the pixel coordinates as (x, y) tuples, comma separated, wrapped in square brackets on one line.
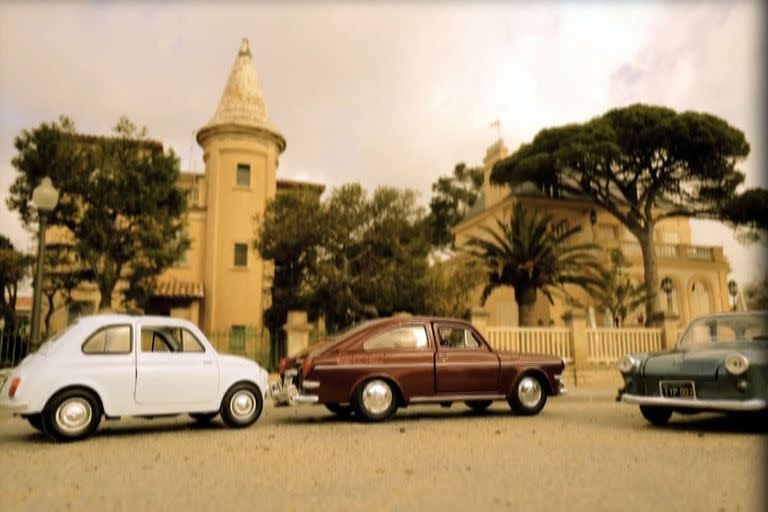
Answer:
[(383, 93)]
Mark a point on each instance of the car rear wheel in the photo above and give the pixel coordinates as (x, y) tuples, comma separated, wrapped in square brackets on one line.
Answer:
[(528, 397), (204, 417), (656, 415), (242, 405), (36, 420), (479, 405), (71, 414), (375, 400), (342, 411)]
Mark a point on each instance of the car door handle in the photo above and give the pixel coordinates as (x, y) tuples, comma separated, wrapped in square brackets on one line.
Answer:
[(207, 362), (442, 357)]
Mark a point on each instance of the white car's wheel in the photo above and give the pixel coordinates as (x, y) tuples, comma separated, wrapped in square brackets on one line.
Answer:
[(71, 414), (242, 405)]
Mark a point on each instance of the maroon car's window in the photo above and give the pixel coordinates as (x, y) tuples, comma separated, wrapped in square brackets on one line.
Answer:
[(412, 336), (457, 338)]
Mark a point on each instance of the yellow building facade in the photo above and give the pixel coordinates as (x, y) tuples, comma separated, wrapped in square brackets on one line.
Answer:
[(221, 283), (698, 273)]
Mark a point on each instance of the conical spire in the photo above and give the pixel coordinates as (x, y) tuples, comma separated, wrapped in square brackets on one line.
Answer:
[(242, 102)]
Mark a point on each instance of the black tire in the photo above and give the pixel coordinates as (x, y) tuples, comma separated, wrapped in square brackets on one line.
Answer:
[(204, 418), (656, 415), (71, 415), (529, 396), (479, 405), (375, 400), (242, 405), (36, 420), (342, 411)]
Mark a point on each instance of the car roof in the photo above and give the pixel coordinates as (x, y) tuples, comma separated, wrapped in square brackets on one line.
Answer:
[(111, 318)]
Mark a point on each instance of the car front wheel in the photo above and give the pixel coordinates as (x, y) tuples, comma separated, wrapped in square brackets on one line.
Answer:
[(375, 400), (242, 405), (528, 397), (71, 415), (656, 415)]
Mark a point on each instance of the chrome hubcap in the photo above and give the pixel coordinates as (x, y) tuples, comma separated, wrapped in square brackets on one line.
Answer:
[(377, 396), (73, 415), (529, 392), (243, 404)]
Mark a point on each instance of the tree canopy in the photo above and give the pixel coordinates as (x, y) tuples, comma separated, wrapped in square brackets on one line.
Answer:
[(14, 267), (350, 256), (117, 197), (532, 252), (452, 197), (642, 164)]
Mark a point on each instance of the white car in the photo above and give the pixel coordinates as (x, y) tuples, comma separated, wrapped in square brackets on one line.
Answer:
[(121, 365)]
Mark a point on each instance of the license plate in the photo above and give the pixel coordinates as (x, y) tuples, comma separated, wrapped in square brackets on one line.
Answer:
[(684, 389)]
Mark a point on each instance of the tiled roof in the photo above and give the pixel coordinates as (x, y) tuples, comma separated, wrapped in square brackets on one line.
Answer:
[(173, 288)]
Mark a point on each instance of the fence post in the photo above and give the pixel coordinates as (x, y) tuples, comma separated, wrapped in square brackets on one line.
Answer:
[(669, 330), (576, 322), (297, 332), (479, 319)]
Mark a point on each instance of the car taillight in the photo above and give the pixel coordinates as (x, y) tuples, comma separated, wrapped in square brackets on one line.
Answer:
[(307, 366), (14, 386)]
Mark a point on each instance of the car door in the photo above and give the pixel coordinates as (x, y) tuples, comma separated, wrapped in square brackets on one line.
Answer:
[(107, 358), (464, 363), (174, 369)]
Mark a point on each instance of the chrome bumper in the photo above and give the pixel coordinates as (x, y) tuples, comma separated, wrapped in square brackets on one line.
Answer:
[(562, 390), (754, 404), (286, 393)]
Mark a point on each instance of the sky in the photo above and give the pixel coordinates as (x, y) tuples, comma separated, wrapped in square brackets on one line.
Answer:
[(383, 93)]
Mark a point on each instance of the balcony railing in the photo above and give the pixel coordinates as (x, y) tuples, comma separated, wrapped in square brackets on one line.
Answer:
[(672, 251)]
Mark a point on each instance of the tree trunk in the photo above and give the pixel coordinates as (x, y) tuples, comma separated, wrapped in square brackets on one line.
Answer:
[(105, 289), (526, 302), (650, 274), (48, 315)]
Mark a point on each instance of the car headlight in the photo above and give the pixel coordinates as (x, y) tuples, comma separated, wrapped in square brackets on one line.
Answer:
[(627, 364), (736, 364)]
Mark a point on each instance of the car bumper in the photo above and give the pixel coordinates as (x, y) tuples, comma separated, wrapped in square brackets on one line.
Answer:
[(754, 404), (285, 392)]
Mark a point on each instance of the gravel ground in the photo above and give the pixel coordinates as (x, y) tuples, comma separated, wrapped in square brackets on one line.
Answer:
[(583, 452)]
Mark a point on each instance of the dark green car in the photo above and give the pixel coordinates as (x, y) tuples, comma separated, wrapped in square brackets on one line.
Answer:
[(720, 363)]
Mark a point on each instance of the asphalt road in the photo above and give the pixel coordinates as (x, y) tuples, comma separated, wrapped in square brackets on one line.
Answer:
[(583, 452)]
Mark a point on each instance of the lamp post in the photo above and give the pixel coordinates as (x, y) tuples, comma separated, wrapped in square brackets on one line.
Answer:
[(733, 290), (593, 221), (666, 287), (44, 197)]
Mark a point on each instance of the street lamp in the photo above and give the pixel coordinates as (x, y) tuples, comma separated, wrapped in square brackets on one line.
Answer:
[(44, 197), (666, 287), (733, 289)]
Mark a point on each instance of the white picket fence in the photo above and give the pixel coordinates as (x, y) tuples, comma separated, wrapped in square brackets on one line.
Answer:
[(606, 345), (540, 340)]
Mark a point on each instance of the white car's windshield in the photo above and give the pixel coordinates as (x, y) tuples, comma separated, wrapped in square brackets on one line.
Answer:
[(726, 329)]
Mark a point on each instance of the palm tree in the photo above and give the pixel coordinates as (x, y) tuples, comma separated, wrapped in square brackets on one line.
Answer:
[(617, 293), (531, 252)]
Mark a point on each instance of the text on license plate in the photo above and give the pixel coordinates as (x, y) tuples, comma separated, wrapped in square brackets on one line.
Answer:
[(677, 390)]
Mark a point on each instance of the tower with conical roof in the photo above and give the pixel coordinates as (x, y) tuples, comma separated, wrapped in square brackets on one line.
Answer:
[(241, 148)]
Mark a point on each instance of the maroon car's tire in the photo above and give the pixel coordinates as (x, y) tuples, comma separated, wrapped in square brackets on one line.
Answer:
[(204, 417), (529, 396), (342, 411), (375, 400), (71, 415), (36, 420), (656, 415), (242, 405), (478, 405)]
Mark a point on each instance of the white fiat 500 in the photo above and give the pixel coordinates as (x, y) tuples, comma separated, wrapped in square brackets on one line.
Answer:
[(120, 365)]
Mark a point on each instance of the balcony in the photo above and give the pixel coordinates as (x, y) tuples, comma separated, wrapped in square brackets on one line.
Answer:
[(678, 252)]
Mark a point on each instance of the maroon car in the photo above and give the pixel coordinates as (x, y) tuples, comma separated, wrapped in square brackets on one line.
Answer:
[(380, 365)]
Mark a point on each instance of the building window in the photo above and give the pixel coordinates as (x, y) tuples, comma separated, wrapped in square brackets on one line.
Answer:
[(237, 337), (244, 175), (241, 255)]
